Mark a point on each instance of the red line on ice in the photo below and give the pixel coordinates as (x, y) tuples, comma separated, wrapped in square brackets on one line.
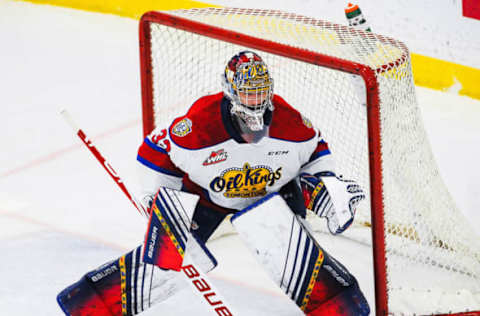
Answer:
[(63, 151)]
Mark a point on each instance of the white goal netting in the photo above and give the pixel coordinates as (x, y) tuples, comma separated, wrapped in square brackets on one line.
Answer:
[(426, 236)]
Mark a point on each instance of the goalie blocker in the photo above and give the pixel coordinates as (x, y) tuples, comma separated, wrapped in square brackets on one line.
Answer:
[(285, 246)]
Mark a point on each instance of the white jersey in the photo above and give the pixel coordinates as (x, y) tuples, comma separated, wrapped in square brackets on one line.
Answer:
[(201, 152)]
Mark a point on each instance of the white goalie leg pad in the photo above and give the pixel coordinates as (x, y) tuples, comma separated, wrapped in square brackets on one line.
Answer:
[(313, 279), (150, 285), (282, 246), (125, 286), (168, 236), (180, 208), (169, 244)]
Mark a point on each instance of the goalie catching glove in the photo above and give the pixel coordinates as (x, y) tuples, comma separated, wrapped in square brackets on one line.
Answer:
[(332, 197)]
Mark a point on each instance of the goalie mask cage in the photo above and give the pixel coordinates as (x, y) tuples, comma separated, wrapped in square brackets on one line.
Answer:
[(357, 88)]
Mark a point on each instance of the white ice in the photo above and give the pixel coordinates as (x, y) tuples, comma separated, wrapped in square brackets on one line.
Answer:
[(61, 215)]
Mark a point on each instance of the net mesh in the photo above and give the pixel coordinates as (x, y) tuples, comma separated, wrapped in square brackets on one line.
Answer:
[(426, 236)]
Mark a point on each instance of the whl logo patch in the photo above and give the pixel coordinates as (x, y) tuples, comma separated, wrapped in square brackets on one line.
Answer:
[(216, 157)]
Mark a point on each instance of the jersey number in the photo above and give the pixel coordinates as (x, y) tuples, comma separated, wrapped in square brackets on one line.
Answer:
[(161, 141)]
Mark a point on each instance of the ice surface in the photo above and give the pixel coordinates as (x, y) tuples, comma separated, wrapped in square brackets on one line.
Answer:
[(61, 215)]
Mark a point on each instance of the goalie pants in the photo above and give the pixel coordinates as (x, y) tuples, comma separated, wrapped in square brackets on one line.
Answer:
[(208, 216)]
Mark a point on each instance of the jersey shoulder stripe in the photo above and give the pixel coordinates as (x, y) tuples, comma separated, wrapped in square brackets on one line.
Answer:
[(288, 124), (321, 150), (157, 158), (152, 146), (202, 126)]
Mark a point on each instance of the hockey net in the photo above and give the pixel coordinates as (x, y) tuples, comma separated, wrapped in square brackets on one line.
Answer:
[(357, 88)]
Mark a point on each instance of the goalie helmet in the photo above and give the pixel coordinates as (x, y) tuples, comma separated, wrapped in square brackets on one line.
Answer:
[(247, 83)]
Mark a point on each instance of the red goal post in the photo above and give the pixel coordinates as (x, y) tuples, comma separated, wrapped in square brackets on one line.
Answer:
[(170, 43), (290, 52)]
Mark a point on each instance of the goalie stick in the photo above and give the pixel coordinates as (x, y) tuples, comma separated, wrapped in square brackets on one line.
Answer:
[(194, 275), (103, 162)]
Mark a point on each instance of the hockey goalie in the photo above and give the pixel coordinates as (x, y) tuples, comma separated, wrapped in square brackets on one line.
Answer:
[(243, 151)]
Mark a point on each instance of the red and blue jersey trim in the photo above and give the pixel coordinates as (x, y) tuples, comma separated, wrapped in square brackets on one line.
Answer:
[(154, 146), (321, 150), (157, 158)]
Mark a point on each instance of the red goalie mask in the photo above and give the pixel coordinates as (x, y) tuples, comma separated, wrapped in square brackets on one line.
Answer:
[(248, 85)]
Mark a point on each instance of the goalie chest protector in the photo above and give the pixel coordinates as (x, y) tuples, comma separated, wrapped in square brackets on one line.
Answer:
[(235, 174)]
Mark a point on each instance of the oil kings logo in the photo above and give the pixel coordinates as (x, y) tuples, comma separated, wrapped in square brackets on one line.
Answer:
[(246, 182)]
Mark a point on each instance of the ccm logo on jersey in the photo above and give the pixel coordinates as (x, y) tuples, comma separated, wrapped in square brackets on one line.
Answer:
[(216, 157), (246, 182), (278, 152)]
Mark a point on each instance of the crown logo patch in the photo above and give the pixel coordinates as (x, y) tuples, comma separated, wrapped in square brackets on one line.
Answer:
[(182, 128), (245, 182)]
